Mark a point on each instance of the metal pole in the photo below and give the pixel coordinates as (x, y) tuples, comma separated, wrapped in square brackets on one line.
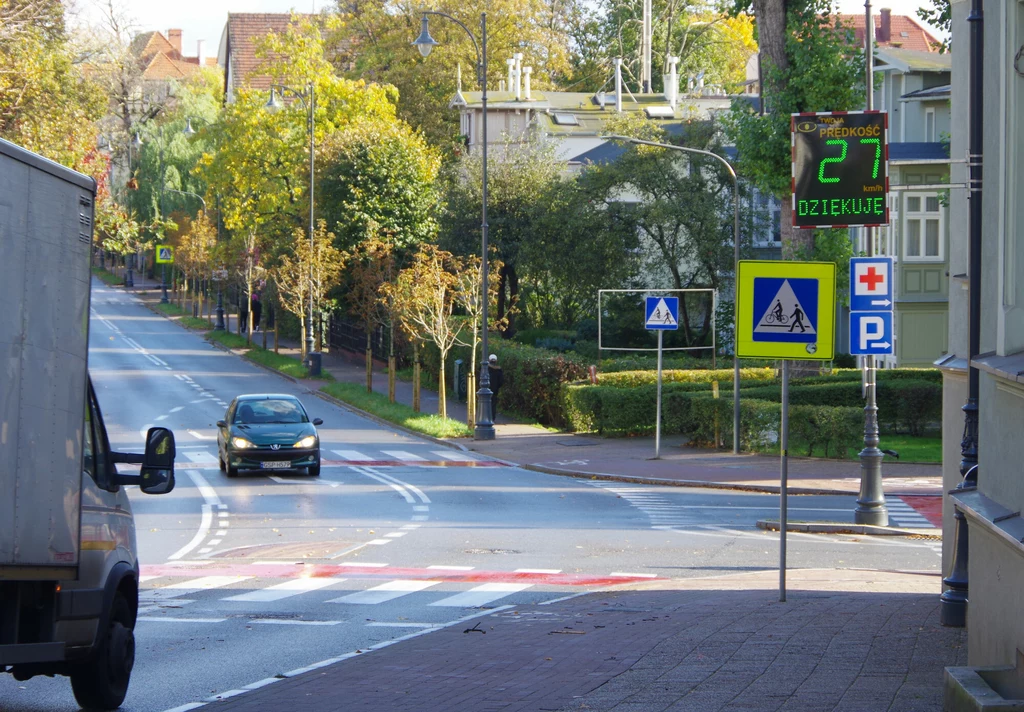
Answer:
[(784, 481), (484, 426), (871, 507), (309, 318), (735, 331), (953, 602), (657, 414)]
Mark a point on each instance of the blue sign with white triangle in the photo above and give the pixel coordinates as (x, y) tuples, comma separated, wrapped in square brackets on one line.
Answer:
[(785, 309), (662, 313)]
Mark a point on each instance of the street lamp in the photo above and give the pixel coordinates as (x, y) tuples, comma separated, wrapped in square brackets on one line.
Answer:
[(308, 99), (137, 143), (425, 43), (736, 264)]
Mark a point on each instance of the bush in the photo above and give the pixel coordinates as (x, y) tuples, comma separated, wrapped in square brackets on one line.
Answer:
[(834, 428), (555, 343), (630, 411), (759, 422), (531, 337), (632, 379)]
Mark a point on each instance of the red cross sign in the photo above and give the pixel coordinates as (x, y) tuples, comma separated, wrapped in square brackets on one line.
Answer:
[(871, 283)]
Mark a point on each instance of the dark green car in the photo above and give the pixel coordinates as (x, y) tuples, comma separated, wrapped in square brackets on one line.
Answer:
[(268, 432)]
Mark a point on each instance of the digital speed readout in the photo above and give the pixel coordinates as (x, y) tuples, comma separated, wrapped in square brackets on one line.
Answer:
[(840, 170)]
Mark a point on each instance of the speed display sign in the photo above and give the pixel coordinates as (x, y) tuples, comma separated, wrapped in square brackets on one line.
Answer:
[(840, 169)]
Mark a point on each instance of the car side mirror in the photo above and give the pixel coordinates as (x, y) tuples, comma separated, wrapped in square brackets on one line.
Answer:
[(157, 474), (222, 424), (318, 421)]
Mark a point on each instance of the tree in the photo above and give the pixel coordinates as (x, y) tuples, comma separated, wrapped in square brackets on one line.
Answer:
[(371, 266), (940, 16), (379, 173), (519, 175), (468, 289), (375, 42), (683, 214), (195, 251), (292, 273), (810, 64), (427, 291), (47, 102)]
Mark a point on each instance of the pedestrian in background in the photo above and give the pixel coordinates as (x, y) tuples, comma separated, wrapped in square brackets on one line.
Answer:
[(497, 381), (257, 309)]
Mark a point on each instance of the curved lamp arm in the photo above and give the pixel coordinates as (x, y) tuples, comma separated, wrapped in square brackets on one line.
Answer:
[(721, 160), (479, 62)]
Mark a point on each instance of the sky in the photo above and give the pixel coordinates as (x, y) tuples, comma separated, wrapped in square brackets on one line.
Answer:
[(204, 19)]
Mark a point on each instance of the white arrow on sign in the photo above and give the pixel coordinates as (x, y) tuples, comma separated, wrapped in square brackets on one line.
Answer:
[(880, 302), (883, 344)]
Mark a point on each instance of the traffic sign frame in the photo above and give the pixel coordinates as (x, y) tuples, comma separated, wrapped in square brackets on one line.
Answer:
[(821, 345), (161, 248)]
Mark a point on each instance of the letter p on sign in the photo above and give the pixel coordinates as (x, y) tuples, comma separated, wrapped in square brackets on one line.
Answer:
[(871, 333), (872, 329)]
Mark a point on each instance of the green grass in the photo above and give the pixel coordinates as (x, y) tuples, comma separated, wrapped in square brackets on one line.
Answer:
[(108, 278), (911, 449), (183, 317), (398, 413), (265, 357)]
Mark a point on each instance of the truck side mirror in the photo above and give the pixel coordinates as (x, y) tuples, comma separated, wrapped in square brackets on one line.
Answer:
[(318, 421), (157, 475)]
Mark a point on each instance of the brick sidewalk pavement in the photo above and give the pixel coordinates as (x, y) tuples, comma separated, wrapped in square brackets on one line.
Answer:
[(854, 641)]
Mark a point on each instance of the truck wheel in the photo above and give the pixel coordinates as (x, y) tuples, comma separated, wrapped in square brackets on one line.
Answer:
[(102, 683)]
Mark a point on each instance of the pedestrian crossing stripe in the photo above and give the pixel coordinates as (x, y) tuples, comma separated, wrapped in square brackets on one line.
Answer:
[(785, 313)]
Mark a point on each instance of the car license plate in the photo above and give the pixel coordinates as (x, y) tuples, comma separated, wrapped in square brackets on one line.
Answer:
[(275, 465)]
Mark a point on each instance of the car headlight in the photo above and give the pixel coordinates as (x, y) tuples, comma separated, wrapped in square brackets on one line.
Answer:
[(308, 441), (241, 443)]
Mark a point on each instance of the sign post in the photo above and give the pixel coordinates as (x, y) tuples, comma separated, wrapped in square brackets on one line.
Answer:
[(662, 314), (164, 257), (871, 304), (785, 310)]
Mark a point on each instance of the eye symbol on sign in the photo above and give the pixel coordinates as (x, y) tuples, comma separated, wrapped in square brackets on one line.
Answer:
[(806, 126)]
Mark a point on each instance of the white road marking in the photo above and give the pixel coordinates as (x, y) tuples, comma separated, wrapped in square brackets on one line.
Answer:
[(385, 592), (285, 590), (200, 436), (481, 595), (221, 532), (453, 456), (618, 574), (161, 417), (159, 619), (364, 565), (420, 508), (411, 526), (415, 490), (353, 455), (420, 518), (404, 456), (537, 571), (206, 550), (213, 542), (184, 588), (441, 567), (378, 542), (393, 485), (204, 529), (395, 535), (382, 624), (285, 621), (200, 456)]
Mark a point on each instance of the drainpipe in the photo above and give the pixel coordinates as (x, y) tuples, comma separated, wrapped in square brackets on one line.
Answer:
[(618, 84)]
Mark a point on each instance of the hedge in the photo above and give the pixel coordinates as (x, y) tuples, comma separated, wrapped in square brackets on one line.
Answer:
[(533, 377), (630, 411), (632, 379), (884, 375)]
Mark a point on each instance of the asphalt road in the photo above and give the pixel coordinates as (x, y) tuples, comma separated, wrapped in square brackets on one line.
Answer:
[(248, 578)]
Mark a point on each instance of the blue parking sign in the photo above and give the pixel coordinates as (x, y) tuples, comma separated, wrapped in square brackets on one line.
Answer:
[(871, 333)]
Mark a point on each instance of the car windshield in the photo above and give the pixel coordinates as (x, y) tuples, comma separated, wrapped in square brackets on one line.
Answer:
[(270, 411)]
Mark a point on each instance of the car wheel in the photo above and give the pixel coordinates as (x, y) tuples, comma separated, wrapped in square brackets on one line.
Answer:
[(232, 471), (220, 461), (314, 470), (102, 683)]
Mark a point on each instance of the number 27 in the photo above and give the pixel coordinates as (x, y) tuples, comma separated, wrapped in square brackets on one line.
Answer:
[(842, 157)]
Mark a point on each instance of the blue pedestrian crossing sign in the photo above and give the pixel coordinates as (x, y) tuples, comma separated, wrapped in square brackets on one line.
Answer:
[(164, 254), (871, 333), (662, 313), (785, 310)]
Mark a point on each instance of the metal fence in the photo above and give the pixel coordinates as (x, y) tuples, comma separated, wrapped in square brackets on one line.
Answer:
[(347, 335)]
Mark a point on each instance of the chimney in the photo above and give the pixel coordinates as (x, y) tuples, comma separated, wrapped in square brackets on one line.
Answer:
[(527, 71), (518, 56), (511, 62), (671, 82), (174, 37), (201, 52), (885, 26), (618, 84)]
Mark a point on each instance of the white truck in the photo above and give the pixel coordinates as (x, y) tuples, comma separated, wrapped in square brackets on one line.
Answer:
[(69, 570)]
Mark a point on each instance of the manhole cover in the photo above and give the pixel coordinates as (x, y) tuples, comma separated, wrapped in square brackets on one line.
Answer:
[(491, 551)]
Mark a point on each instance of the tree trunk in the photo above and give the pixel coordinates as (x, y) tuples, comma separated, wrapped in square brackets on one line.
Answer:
[(513, 298), (415, 377), (442, 401), (369, 360), (797, 243), (770, 16)]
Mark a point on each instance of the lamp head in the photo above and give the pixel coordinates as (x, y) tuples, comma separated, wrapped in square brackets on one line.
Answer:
[(273, 105), (425, 42), (137, 141), (189, 131)]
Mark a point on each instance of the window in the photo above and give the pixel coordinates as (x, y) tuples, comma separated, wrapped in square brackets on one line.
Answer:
[(922, 227), (929, 125), (95, 460), (565, 119)]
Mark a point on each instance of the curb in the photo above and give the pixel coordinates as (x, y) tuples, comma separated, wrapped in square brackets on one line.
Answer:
[(837, 528)]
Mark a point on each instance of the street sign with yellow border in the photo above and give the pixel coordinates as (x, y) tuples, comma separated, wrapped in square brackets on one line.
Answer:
[(786, 310), (164, 254)]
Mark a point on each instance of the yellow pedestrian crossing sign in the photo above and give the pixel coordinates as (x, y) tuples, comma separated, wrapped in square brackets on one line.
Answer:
[(164, 254), (786, 310)]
